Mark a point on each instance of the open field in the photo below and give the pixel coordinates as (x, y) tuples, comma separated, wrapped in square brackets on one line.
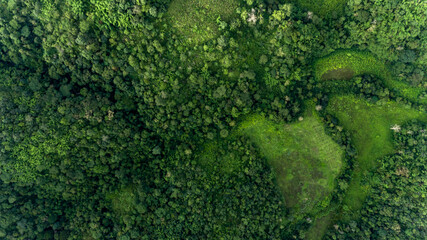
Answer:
[(369, 126), (345, 64), (305, 159)]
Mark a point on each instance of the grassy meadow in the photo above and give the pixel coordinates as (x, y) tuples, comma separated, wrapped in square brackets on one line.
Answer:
[(345, 64), (370, 128)]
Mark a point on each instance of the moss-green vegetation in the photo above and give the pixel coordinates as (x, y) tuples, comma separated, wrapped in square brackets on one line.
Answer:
[(197, 20), (216, 157), (324, 8), (305, 159), (339, 63), (370, 127), (123, 200), (344, 64), (397, 198), (320, 225)]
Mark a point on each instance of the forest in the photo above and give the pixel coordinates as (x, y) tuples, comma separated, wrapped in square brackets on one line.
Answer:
[(213, 119)]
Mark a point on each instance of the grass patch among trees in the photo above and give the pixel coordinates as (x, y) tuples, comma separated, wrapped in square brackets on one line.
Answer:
[(344, 64), (123, 200), (370, 127), (219, 157), (304, 159), (324, 8), (198, 20)]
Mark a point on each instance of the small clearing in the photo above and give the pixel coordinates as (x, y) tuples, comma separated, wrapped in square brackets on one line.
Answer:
[(304, 159), (344, 64), (370, 126), (324, 8), (196, 20)]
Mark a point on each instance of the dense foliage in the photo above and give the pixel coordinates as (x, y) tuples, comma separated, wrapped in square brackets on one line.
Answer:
[(108, 108)]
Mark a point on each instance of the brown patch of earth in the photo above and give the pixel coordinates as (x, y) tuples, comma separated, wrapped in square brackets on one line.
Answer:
[(338, 74)]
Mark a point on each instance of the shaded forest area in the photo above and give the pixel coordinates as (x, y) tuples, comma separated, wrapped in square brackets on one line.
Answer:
[(200, 119)]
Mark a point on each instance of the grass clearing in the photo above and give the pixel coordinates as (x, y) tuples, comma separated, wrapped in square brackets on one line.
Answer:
[(305, 159), (345, 64), (123, 200), (320, 225), (197, 19), (369, 125), (324, 8)]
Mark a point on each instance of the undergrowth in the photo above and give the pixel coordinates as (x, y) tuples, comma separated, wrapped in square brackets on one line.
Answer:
[(324, 8), (198, 20)]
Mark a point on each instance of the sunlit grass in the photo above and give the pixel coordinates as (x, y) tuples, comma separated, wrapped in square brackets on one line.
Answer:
[(197, 19), (324, 8), (369, 125), (344, 64), (305, 159), (123, 200)]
